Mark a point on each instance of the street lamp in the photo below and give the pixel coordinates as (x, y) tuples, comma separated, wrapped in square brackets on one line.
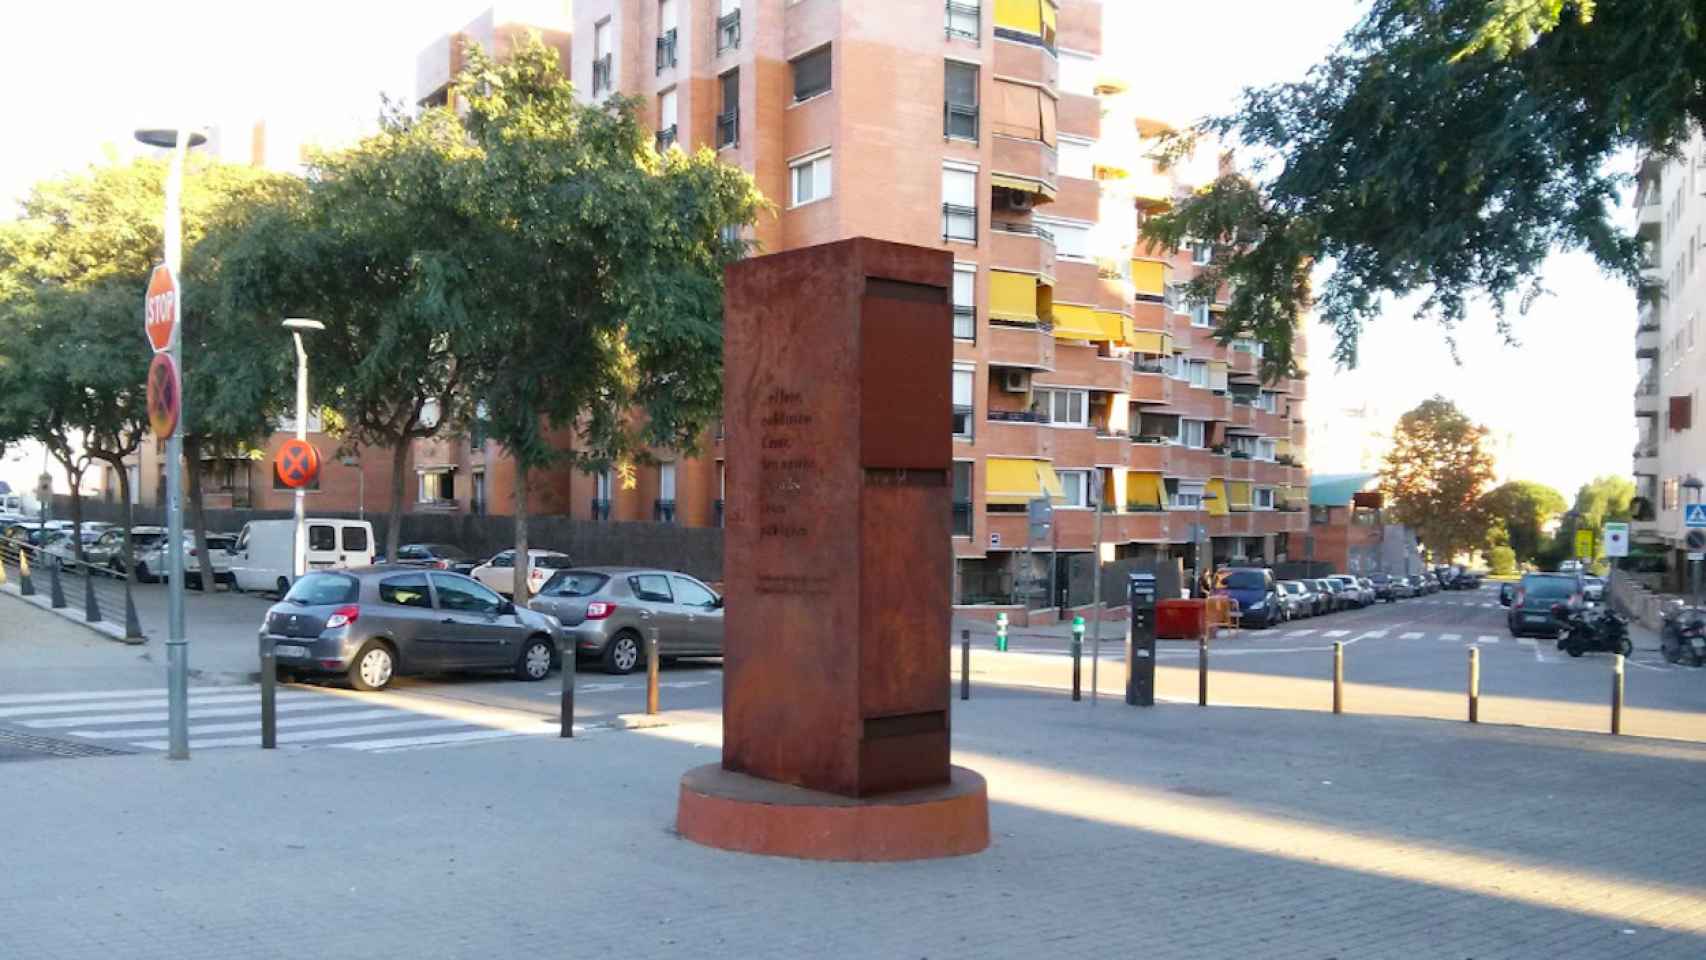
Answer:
[(296, 325), (179, 141)]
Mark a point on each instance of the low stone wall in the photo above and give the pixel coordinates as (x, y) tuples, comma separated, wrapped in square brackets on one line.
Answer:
[(1636, 597)]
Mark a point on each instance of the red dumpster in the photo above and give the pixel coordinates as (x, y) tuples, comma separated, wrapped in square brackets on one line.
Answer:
[(1180, 619)]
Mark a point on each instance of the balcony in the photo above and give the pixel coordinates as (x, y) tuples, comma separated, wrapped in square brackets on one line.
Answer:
[(1028, 62), (728, 31), (1646, 344), (1020, 345), (1647, 317), (1647, 397), (1149, 381), (1647, 457), (728, 129), (1030, 164), (666, 138), (1016, 433), (1152, 191), (666, 50), (1148, 456), (1649, 213), (1021, 245), (1082, 366)]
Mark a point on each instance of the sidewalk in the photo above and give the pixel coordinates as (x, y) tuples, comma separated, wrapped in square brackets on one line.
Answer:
[(42, 651), (1164, 833)]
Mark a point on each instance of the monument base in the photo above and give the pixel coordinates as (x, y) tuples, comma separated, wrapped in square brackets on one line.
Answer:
[(734, 811)]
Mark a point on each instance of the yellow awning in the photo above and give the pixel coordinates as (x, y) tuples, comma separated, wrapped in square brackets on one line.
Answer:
[(1240, 490), (1073, 322), (1023, 15), (1217, 374), (1012, 296), (1145, 490), (1282, 447), (1149, 276), (1011, 482), (1110, 170), (1148, 341), (1048, 17), (1216, 507), (1022, 184), (1115, 327)]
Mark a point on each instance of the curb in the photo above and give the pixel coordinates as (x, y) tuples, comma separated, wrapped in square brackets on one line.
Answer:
[(105, 629)]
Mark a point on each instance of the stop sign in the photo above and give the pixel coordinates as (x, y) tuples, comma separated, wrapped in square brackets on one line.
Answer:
[(160, 309)]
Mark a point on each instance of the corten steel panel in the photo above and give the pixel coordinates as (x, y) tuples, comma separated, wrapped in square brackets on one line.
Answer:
[(830, 684)]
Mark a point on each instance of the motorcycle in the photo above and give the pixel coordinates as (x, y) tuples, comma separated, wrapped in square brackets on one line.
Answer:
[(1600, 631), (1683, 636)]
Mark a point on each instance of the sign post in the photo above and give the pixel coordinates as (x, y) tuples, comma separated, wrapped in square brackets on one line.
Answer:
[(165, 391), (1615, 540), (1584, 544)]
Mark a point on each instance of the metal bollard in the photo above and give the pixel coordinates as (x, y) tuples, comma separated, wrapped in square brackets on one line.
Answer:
[(965, 664), (1338, 677), (1000, 629), (26, 587), (132, 623), (567, 706), (1077, 657), (1474, 684), (269, 699), (91, 605), (652, 672), (1616, 694), (1202, 670), (56, 592)]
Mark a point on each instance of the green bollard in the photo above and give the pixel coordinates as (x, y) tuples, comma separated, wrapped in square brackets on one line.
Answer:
[(1001, 632)]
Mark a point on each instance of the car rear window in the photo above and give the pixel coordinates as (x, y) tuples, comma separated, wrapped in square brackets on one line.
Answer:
[(1547, 588), (1244, 580), (574, 583), (140, 540), (323, 589), (551, 562)]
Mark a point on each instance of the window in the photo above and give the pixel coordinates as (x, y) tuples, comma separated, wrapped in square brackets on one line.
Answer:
[(728, 115), (1071, 240), (1063, 407), (1184, 494), (574, 583), (666, 34), (411, 553), (355, 539), (504, 560), (965, 19), (653, 587), (1202, 253), (408, 590), (467, 596), (728, 26), (810, 179), (1192, 433), (690, 594), (1075, 158), (1200, 316), (437, 487), (666, 120), (1243, 445), (324, 590), (477, 494), (322, 537), (964, 387), (666, 481), (603, 60), (1194, 372), (1268, 400), (1264, 498), (811, 73), (959, 204), (965, 301), (1077, 73), (1267, 450), (959, 112), (1075, 487), (962, 498)]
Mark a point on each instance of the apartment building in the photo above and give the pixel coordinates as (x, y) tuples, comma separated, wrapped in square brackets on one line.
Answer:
[(1671, 223), (992, 130)]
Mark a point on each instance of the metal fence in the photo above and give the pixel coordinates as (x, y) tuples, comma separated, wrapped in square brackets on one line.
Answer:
[(98, 594)]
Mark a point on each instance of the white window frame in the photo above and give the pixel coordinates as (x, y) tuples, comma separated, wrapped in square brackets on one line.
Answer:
[(1076, 157), (1193, 433), (603, 45), (666, 482), (1268, 400), (822, 185), (1202, 253), (668, 113), (668, 18), (605, 482), (1186, 495), (1072, 249), (1082, 479), (1201, 316), (964, 294), (1047, 397), (1258, 495), (954, 176), (1267, 449), (1077, 72), (957, 28), (963, 396)]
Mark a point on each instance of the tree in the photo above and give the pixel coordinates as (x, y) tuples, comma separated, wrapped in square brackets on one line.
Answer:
[(1603, 498), (1434, 477), (1502, 560), (597, 302), (1523, 507), (1445, 148)]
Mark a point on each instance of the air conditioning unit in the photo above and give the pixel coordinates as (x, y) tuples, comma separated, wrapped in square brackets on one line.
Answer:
[(1019, 200), (1016, 381)]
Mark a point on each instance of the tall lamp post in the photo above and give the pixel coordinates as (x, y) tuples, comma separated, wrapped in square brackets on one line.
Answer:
[(1693, 486), (299, 553), (179, 141)]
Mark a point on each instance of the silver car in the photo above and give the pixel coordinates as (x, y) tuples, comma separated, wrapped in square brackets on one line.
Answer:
[(372, 623), (608, 612)]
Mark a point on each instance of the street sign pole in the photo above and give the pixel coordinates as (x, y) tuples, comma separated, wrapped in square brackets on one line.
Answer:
[(177, 646)]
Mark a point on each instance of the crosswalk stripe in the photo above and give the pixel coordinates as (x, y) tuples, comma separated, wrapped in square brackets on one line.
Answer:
[(12, 698), (1487, 638), (158, 700), (1299, 633), (396, 743), (313, 720), (304, 736), (1411, 636), (160, 716), (1375, 634), (1337, 633), (1449, 637)]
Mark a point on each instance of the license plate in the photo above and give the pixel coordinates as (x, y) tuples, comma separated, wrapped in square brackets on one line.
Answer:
[(289, 650), (1536, 618)]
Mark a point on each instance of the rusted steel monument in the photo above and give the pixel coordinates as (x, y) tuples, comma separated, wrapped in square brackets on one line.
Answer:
[(837, 410)]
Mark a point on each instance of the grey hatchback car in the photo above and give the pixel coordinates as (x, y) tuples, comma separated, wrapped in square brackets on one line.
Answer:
[(607, 611), (373, 623)]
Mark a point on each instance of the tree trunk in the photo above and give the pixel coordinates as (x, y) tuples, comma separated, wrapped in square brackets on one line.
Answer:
[(77, 514), (394, 523), (198, 514), (520, 585), (129, 514)]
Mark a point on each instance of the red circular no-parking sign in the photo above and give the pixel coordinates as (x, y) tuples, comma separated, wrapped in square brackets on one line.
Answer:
[(297, 463), (164, 395)]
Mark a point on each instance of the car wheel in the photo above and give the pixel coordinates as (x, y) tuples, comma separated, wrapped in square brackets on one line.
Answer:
[(622, 653), (1574, 650), (192, 581), (373, 667), (234, 586), (142, 574), (535, 660), (1627, 648)]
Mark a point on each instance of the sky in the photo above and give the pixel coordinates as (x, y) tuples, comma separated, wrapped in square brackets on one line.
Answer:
[(1560, 401)]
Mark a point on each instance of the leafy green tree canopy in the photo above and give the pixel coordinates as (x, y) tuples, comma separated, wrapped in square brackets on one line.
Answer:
[(1434, 477), (1445, 148), (1524, 508)]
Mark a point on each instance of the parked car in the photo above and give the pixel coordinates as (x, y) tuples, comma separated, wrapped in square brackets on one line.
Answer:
[(1403, 588), (1593, 589), (439, 556), (1299, 600), (1329, 592), (1430, 583), (1349, 592), (1385, 587), (154, 558), (264, 555), (374, 623), (1369, 597), (108, 551), (499, 572), (1532, 601), (1256, 592), (606, 612)]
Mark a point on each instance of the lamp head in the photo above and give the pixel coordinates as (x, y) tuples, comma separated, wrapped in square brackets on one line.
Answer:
[(303, 323), (168, 138)]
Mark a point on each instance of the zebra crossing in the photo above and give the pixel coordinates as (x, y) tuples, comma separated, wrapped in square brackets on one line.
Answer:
[(1408, 635), (230, 717)]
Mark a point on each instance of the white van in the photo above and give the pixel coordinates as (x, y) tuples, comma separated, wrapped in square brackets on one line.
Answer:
[(262, 559)]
